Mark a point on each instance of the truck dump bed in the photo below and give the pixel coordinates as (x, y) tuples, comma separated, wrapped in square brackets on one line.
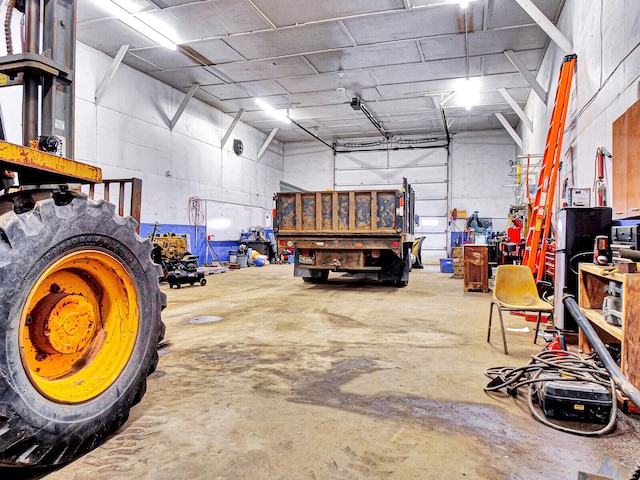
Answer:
[(347, 231), (340, 213)]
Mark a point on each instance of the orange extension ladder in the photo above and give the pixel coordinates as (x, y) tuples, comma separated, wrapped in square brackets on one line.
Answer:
[(539, 221)]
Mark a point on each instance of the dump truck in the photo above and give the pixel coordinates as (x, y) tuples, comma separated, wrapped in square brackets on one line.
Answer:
[(357, 231), (80, 305)]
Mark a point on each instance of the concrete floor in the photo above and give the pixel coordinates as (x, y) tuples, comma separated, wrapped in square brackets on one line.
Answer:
[(348, 380)]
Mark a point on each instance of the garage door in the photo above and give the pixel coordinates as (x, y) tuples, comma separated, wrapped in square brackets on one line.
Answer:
[(426, 170)]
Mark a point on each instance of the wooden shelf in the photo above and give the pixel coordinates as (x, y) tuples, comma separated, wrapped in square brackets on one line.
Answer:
[(591, 294), (596, 317), (603, 272)]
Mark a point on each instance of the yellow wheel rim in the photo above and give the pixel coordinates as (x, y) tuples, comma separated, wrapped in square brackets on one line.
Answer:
[(79, 326)]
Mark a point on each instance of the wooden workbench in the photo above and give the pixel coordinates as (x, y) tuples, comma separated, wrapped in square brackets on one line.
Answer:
[(592, 280)]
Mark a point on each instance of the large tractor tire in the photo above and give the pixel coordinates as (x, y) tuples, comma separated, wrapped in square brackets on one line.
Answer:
[(79, 325)]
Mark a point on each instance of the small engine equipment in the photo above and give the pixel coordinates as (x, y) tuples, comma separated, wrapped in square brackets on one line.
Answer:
[(612, 304), (178, 266), (624, 236), (48, 143), (186, 271), (601, 250)]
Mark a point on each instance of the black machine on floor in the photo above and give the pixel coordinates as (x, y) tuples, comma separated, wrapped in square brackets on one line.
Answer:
[(574, 401), (184, 271), (179, 271)]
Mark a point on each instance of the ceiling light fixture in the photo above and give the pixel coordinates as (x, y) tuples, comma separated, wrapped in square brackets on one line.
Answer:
[(340, 88), (116, 8), (467, 92), (281, 115), (467, 89)]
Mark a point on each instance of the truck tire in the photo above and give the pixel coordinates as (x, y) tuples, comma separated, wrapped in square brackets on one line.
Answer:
[(318, 277), (79, 325)]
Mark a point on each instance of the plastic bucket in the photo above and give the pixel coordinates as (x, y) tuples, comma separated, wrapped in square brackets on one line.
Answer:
[(233, 256), (242, 260)]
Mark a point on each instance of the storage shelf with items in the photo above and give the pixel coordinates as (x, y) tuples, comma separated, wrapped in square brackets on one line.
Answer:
[(614, 297)]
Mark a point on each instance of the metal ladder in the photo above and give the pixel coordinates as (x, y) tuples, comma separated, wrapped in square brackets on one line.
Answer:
[(539, 221)]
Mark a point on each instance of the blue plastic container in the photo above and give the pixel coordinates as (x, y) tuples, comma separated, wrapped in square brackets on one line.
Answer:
[(446, 265)]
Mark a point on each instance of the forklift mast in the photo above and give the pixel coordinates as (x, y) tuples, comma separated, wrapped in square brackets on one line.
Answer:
[(49, 68)]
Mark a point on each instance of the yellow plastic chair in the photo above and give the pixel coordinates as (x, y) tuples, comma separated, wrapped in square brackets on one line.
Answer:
[(515, 290)]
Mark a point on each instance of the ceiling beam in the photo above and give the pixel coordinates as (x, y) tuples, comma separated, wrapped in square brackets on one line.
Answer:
[(346, 31), (267, 142), (547, 25), (524, 71), (183, 105), (273, 25), (509, 129), (111, 71), (231, 127), (516, 108)]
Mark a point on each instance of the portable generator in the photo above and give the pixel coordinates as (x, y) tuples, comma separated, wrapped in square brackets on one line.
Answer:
[(575, 401)]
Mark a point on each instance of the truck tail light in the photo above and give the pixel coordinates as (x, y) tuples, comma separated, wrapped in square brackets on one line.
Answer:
[(282, 243), (304, 253), (395, 245)]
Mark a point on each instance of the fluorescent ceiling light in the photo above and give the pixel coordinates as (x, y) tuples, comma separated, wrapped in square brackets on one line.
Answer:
[(467, 91), (116, 9), (277, 114)]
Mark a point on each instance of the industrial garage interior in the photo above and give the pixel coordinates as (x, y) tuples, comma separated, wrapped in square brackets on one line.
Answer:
[(296, 239)]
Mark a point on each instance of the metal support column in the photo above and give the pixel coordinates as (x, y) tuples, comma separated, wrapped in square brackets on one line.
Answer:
[(30, 96), (58, 93)]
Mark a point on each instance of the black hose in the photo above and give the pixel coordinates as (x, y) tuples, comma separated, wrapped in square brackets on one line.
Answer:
[(557, 366), (618, 377)]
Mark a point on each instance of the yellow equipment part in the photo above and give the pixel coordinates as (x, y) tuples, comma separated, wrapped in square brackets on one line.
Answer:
[(79, 326), (173, 246), (48, 168)]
